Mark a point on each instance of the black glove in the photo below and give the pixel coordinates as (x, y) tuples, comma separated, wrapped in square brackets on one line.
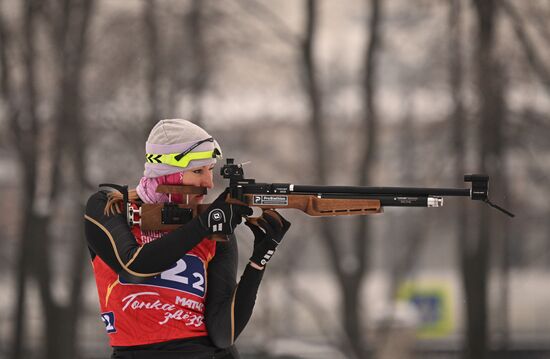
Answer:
[(268, 234), (221, 217)]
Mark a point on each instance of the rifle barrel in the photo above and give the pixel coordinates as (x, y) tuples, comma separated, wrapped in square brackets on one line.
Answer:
[(376, 191)]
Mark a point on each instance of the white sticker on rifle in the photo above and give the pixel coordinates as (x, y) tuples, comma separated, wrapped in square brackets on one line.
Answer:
[(271, 200)]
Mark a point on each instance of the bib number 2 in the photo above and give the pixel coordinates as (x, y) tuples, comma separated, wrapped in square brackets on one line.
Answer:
[(179, 274), (187, 275)]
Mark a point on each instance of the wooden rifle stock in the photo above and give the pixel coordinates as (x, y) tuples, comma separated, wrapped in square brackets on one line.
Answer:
[(317, 207), (153, 216)]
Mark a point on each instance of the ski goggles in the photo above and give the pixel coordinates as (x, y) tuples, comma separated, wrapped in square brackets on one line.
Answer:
[(184, 158)]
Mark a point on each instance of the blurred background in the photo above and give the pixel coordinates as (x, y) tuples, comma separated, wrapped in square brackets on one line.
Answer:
[(373, 92)]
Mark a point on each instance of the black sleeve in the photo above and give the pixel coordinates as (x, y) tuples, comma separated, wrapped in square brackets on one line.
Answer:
[(228, 305), (111, 239)]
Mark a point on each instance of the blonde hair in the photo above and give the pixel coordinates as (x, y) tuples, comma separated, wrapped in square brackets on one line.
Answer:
[(115, 199)]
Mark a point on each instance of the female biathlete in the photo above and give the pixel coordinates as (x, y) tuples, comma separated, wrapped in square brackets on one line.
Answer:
[(174, 294)]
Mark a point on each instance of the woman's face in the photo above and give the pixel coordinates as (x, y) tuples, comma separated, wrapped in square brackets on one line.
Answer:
[(199, 177)]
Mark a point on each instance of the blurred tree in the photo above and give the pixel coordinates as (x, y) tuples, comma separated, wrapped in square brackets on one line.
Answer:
[(458, 149), (153, 51), (535, 60), (351, 267), (21, 105), (458, 113), (489, 76), (406, 240), (199, 56), (532, 124), (312, 89), (57, 141), (367, 161), (69, 27)]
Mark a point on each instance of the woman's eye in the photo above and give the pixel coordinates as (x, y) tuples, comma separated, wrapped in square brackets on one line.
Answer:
[(198, 172)]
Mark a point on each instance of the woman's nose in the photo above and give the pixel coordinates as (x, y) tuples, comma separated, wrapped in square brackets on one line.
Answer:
[(207, 181)]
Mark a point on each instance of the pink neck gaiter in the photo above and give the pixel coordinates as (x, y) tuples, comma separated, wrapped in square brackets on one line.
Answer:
[(147, 188)]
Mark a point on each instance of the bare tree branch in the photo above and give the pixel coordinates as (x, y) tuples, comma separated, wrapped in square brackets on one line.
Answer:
[(267, 16), (533, 58)]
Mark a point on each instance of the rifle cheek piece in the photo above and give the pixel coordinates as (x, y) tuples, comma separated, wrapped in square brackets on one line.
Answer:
[(480, 186)]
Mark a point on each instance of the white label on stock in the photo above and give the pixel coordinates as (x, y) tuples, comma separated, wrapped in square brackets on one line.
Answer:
[(270, 200)]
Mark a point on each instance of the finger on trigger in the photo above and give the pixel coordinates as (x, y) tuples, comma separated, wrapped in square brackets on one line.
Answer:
[(273, 214), (252, 220)]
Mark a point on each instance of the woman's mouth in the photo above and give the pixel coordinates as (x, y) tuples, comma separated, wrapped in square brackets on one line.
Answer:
[(199, 198)]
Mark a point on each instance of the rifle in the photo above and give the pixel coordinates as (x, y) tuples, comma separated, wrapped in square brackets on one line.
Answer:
[(318, 201)]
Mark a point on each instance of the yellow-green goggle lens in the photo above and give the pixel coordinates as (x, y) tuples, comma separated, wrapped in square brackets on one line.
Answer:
[(170, 158)]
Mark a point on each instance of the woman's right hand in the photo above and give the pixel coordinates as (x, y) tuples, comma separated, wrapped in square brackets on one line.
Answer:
[(221, 217), (268, 233)]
